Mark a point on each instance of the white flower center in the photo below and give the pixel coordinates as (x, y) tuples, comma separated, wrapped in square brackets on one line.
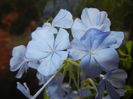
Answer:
[(52, 52), (90, 52)]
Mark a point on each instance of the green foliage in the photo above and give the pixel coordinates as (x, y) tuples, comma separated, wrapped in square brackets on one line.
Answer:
[(126, 55)]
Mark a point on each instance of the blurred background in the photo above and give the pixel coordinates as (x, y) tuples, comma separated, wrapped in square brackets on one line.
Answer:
[(18, 18)]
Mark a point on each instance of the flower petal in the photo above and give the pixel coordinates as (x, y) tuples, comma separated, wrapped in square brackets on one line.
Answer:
[(63, 54), (37, 49), (78, 29), (117, 78), (62, 40), (15, 63), (19, 51), (77, 50), (24, 89), (111, 91), (50, 65), (93, 38), (93, 18), (113, 40), (63, 19), (90, 67), (101, 88), (89, 16), (22, 70), (107, 58), (42, 79), (44, 35)]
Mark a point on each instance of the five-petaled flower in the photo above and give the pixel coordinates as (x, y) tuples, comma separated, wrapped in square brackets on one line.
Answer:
[(49, 49)]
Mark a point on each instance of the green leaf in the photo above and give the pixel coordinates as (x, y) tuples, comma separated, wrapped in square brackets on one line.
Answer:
[(129, 46)]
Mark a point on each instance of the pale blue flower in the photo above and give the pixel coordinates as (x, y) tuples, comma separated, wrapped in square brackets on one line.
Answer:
[(18, 62), (111, 81), (90, 18), (49, 50), (24, 89), (93, 56)]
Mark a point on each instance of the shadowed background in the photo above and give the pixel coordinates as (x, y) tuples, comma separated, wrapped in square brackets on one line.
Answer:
[(18, 18)]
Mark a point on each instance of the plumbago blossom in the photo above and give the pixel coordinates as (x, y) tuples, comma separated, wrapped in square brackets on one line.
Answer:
[(93, 49)]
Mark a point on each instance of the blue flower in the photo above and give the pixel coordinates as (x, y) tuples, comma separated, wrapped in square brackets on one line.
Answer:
[(112, 80), (18, 62), (90, 18), (49, 50), (93, 54), (24, 89)]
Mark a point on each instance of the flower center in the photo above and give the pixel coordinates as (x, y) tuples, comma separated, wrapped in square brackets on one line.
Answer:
[(91, 52), (52, 52)]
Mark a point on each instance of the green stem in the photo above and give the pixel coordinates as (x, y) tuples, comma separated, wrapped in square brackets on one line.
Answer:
[(72, 62)]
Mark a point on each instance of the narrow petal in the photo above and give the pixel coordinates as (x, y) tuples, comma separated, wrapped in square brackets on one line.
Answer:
[(62, 40), (107, 58), (77, 50), (50, 65), (24, 89), (101, 88), (117, 78), (78, 29), (37, 49), (111, 91), (63, 19), (22, 70), (90, 67), (42, 79)]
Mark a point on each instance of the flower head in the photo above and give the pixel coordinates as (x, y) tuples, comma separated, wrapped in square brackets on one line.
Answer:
[(93, 54), (90, 18), (18, 62), (48, 49), (111, 81)]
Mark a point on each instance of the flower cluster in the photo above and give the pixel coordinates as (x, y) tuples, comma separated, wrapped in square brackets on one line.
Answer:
[(93, 45)]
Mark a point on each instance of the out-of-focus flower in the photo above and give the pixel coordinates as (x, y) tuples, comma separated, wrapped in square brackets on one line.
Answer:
[(90, 18), (78, 94), (49, 50), (18, 62), (24, 89), (54, 89), (93, 54), (42, 79), (112, 80)]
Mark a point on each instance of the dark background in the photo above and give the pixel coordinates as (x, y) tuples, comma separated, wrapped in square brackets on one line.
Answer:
[(18, 18)]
